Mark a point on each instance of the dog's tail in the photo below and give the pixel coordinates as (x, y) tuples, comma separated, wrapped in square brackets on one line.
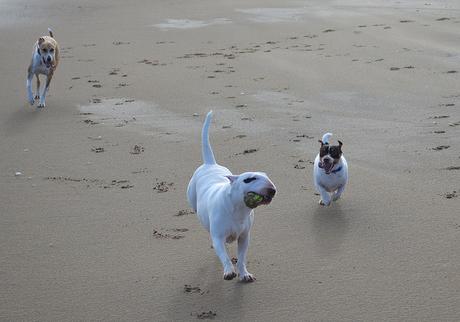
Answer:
[(208, 156), (326, 138), (51, 32)]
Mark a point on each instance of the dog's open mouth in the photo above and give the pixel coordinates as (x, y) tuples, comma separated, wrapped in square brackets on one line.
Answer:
[(327, 166), (48, 64), (253, 199)]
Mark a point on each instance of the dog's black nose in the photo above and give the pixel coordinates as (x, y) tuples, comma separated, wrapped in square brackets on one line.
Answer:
[(48, 59), (271, 192)]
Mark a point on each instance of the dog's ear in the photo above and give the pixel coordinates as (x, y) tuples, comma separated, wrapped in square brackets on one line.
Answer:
[(232, 178), (320, 141), (340, 145), (41, 40)]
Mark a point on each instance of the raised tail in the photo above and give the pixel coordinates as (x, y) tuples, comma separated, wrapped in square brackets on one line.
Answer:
[(208, 156), (326, 138), (51, 32)]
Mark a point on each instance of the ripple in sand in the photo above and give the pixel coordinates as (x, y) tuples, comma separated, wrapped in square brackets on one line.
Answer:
[(190, 24)]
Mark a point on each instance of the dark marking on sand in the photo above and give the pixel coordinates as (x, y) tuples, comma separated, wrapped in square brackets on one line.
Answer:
[(184, 212), (162, 235), (137, 149), (451, 195), (97, 149), (162, 186), (441, 147), (247, 151), (210, 315), (452, 168), (192, 289), (90, 122), (328, 30)]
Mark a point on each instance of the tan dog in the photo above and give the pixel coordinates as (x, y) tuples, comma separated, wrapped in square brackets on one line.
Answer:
[(45, 59)]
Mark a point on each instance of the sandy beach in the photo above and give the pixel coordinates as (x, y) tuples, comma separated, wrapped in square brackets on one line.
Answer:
[(94, 221)]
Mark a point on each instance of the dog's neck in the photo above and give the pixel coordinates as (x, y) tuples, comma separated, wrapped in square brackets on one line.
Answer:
[(236, 205)]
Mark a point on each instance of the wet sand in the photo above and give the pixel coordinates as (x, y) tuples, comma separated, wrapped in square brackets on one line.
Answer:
[(94, 223)]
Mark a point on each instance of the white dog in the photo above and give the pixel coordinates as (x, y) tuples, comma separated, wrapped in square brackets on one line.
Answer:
[(45, 58), (224, 204), (330, 171)]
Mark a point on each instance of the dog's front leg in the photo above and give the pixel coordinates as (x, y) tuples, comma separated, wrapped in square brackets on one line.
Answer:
[(37, 96), (219, 246), (325, 196), (243, 244), (338, 193), (30, 95), (45, 90)]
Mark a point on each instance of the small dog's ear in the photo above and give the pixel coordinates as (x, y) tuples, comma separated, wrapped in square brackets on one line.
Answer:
[(320, 141), (232, 178), (340, 143), (41, 40)]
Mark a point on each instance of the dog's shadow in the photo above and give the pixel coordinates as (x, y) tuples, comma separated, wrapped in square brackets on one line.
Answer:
[(329, 225)]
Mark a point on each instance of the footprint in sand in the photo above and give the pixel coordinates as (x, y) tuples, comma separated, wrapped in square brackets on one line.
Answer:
[(184, 212), (162, 186), (163, 235), (206, 315), (441, 147)]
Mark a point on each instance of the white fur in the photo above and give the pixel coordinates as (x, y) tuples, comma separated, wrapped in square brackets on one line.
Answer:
[(330, 186), (217, 196)]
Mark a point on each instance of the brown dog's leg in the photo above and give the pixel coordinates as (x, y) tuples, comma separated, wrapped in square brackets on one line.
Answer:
[(37, 96)]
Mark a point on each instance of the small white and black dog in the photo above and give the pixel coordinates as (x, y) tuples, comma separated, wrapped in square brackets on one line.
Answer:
[(330, 171), (224, 205), (45, 59)]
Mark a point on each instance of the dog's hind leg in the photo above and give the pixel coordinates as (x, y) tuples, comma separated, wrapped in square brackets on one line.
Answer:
[(37, 95), (219, 247), (243, 244)]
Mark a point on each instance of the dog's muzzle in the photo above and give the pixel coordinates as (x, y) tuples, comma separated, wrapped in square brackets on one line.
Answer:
[(253, 199), (48, 61), (327, 165)]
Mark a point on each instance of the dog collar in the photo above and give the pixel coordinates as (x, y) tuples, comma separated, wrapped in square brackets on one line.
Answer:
[(337, 170), (333, 171)]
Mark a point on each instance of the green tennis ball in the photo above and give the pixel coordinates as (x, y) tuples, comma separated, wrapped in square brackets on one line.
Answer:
[(252, 199)]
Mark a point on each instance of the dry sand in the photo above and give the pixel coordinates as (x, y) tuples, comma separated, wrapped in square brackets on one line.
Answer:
[(95, 227)]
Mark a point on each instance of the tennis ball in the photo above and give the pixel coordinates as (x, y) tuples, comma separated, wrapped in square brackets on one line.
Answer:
[(252, 199)]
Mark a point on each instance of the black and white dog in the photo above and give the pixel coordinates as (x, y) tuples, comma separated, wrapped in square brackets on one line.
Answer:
[(330, 171)]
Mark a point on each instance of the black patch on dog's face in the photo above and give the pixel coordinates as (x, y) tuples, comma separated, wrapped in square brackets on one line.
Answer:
[(335, 151)]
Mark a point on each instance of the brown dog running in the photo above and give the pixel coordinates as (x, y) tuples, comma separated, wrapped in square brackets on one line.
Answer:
[(45, 58)]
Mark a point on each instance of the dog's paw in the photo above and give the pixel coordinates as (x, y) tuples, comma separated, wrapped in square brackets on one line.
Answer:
[(41, 105), (37, 97), (229, 276), (247, 278), (323, 203), (31, 100), (335, 197)]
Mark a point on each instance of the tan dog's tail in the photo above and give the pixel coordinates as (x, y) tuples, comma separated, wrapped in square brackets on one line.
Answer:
[(51, 32)]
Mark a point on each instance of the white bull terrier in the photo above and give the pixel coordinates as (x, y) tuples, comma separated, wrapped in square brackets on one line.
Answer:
[(224, 204), (330, 171)]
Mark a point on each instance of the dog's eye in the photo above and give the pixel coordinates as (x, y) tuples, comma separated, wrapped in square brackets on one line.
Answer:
[(51, 50), (45, 50), (247, 180)]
